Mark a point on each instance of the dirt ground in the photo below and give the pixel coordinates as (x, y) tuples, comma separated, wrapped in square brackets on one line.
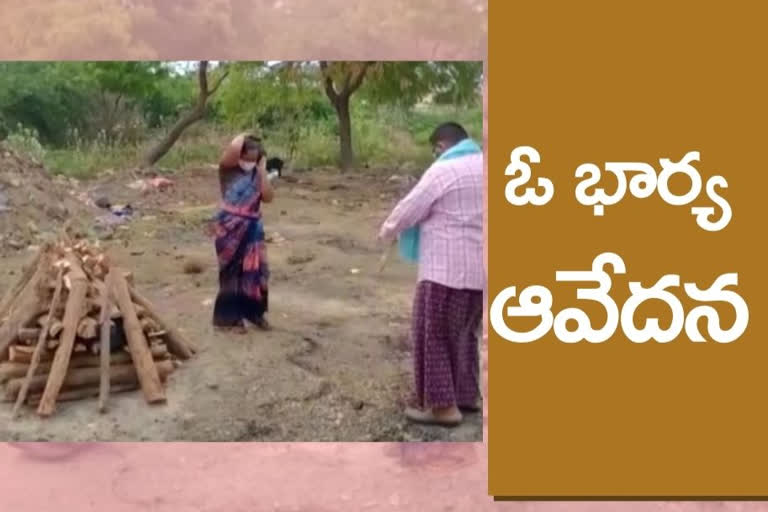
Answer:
[(336, 365)]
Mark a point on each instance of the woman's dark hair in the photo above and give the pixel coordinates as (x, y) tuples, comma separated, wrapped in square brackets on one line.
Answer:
[(253, 145)]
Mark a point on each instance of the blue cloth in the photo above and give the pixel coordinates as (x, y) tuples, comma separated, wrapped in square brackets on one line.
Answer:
[(408, 241), (463, 148)]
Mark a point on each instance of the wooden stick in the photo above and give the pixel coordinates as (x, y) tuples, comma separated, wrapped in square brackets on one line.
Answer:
[(14, 292), (56, 329), (87, 329), (72, 313), (384, 258), (27, 334), (106, 322), (40, 345), (13, 370), (137, 342), (82, 393), (25, 307), (20, 353), (177, 344), (84, 377), (21, 356)]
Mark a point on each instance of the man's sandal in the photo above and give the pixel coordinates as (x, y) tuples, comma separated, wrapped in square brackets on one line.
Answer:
[(428, 418)]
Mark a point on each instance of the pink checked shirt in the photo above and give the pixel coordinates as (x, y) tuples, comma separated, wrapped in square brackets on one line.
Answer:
[(448, 204)]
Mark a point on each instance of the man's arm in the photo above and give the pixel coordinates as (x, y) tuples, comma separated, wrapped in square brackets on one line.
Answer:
[(415, 207)]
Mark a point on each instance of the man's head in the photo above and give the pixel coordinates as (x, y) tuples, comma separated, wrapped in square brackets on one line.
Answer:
[(445, 136)]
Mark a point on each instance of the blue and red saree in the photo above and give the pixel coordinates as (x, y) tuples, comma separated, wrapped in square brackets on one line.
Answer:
[(242, 255)]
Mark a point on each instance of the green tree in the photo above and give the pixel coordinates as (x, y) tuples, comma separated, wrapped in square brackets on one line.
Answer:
[(402, 83), (39, 96), (195, 114), (277, 100), (340, 81), (121, 91)]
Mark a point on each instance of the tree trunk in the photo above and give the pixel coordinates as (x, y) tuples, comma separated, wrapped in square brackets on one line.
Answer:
[(195, 115), (339, 96), (347, 160), (158, 151)]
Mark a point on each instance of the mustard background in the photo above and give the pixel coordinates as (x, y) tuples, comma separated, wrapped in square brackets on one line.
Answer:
[(628, 81)]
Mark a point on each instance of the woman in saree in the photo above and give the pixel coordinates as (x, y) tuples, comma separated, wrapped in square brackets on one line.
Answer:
[(239, 232)]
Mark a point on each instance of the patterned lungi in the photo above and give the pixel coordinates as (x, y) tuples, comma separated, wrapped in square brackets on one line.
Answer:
[(444, 332)]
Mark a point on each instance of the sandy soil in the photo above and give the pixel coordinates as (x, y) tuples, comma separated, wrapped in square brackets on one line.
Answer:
[(336, 365)]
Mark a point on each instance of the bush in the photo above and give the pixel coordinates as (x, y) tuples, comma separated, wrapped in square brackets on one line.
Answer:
[(383, 137), (26, 141)]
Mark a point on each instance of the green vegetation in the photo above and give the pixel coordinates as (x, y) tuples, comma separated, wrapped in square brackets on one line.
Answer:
[(81, 118)]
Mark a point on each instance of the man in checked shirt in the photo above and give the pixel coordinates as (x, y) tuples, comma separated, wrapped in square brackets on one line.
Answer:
[(446, 206)]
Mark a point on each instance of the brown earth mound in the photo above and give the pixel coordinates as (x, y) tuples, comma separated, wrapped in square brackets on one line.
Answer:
[(34, 205)]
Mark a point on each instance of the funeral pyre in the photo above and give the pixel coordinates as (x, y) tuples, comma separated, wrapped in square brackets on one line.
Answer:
[(75, 327)]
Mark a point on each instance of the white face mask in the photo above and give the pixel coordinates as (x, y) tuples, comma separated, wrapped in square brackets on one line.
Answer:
[(247, 166)]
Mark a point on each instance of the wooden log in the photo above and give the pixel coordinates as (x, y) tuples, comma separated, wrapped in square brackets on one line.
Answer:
[(83, 377), (148, 325), (72, 314), (20, 353), (95, 263), (159, 351), (158, 346), (177, 345), (114, 311), (60, 310), (16, 289), (42, 319), (106, 324), (88, 328), (99, 271), (140, 353), (23, 355), (28, 334), (92, 306), (26, 306), (85, 393), (15, 369), (56, 327), (39, 347)]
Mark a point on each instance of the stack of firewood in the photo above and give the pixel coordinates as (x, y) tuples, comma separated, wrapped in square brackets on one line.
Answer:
[(74, 327)]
